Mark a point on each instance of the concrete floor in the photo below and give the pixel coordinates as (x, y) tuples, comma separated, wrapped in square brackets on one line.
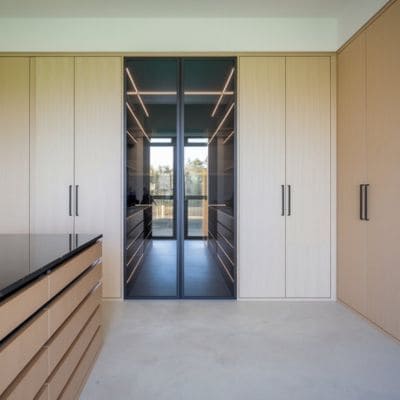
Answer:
[(209, 350)]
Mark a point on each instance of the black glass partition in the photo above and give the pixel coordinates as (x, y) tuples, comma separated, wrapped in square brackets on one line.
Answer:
[(180, 178)]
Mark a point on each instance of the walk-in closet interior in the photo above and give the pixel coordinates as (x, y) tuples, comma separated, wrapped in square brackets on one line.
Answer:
[(180, 178)]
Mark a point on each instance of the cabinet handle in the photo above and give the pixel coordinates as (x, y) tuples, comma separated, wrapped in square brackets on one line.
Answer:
[(76, 200), (366, 218), (283, 200), (289, 200), (70, 200), (362, 202)]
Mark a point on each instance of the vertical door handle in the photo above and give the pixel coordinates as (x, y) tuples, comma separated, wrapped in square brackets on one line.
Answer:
[(366, 218), (362, 202), (70, 200), (76, 200), (289, 200), (283, 200)]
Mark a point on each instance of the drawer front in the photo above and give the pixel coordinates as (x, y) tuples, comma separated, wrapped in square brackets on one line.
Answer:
[(64, 370), (31, 379), (133, 220), (63, 306), (20, 306), (64, 337), (226, 220), (134, 235), (21, 347), (78, 379), (227, 234), (70, 270), (43, 394)]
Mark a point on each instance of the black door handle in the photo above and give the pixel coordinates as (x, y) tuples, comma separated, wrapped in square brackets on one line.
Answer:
[(289, 200), (362, 202), (283, 200), (76, 200), (70, 201), (366, 218)]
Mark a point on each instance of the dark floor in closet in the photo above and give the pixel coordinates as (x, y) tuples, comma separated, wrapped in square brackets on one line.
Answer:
[(158, 275)]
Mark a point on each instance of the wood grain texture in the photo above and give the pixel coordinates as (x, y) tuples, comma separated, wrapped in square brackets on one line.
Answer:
[(261, 174), (98, 159), (308, 111), (383, 146), (14, 145), (61, 277), (29, 382), (16, 352), (352, 171), (51, 143), (20, 306)]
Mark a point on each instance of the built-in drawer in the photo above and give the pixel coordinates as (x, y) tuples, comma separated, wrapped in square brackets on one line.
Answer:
[(30, 380), (64, 337), (134, 235), (225, 266), (134, 251), (223, 247), (20, 306), (78, 378), (134, 262), (67, 365), (43, 393), (226, 220), (67, 272), (133, 220), (226, 234), (19, 349), (64, 304)]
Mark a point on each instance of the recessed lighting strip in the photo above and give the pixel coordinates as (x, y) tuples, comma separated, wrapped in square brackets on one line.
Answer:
[(137, 121), (146, 93), (194, 93), (228, 137), (137, 92), (222, 122), (223, 92)]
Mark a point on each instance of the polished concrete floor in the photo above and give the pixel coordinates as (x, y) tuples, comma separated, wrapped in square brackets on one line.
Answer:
[(158, 274), (217, 350)]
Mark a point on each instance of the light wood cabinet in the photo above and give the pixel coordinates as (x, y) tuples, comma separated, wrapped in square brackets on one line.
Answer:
[(14, 144), (308, 136), (352, 172), (383, 158), (369, 120), (98, 150), (285, 177), (262, 174), (51, 144), (48, 348)]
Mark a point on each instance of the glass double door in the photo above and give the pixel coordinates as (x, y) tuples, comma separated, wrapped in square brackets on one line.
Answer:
[(180, 178)]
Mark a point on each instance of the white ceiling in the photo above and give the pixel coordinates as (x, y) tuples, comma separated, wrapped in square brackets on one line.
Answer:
[(338, 9)]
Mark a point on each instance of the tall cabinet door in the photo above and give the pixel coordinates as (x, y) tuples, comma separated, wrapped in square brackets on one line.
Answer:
[(308, 176), (98, 159), (383, 146), (51, 144), (261, 176), (352, 172), (14, 144)]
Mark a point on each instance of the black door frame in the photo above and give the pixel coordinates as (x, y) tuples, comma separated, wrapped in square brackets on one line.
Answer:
[(179, 178)]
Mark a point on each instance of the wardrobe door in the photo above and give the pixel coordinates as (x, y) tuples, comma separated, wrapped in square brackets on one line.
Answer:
[(14, 144), (98, 159), (383, 147), (308, 176), (51, 144), (261, 176), (352, 172)]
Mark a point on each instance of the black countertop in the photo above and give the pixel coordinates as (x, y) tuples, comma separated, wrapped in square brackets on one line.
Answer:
[(23, 258)]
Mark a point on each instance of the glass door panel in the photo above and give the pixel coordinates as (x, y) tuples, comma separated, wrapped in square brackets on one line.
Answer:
[(151, 255), (209, 155)]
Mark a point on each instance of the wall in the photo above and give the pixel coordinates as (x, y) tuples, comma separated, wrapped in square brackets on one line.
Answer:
[(172, 34)]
